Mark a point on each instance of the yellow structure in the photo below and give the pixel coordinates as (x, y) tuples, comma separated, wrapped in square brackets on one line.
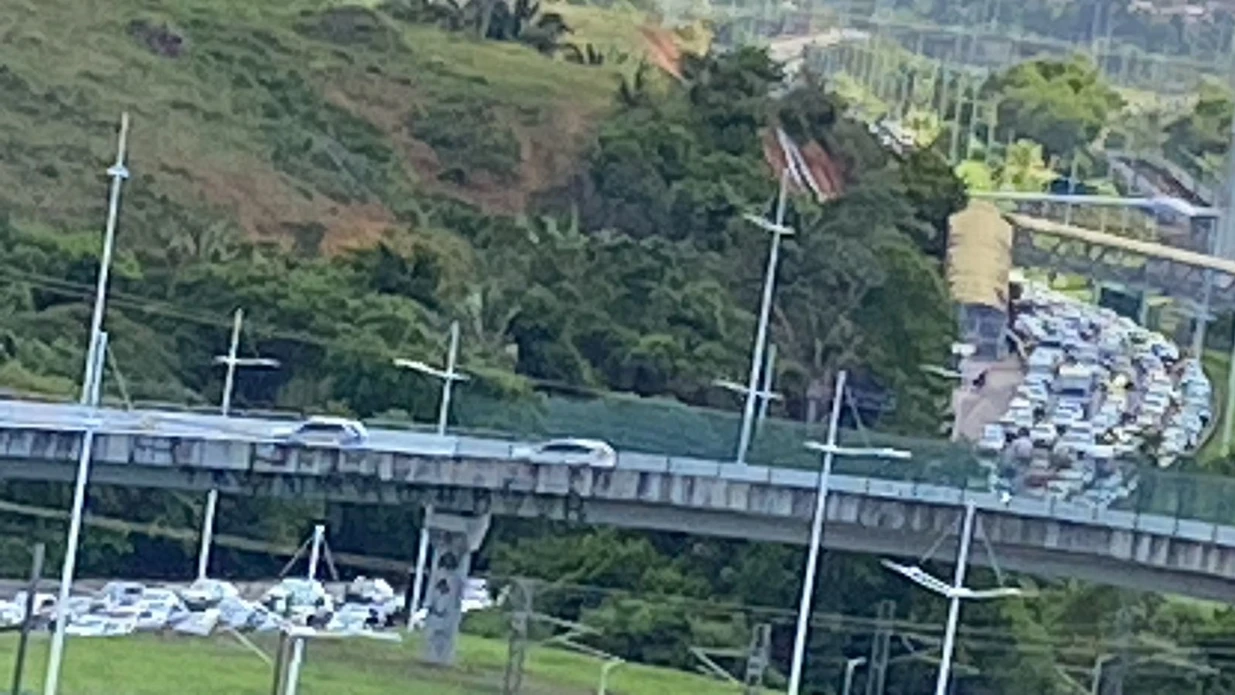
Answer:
[(978, 268), (980, 255)]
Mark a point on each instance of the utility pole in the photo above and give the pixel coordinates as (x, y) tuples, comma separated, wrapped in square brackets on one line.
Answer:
[(992, 123), (881, 648), (315, 555), (229, 384), (448, 377)]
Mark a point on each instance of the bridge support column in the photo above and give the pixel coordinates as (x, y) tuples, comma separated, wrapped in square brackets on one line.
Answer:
[(454, 538)]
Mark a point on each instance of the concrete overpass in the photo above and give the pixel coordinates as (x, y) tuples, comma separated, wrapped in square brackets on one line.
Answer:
[(468, 479)]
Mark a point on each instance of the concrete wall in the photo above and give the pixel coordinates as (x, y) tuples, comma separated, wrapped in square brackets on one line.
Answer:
[(864, 515)]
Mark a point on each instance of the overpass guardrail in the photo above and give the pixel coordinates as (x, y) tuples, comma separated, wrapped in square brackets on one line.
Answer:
[(648, 429)]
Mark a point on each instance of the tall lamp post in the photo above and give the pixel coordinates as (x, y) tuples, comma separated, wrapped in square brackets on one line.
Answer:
[(229, 385), (448, 376), (830, 450), (778, 229), (956, 592), (89, 396), (765, 394)]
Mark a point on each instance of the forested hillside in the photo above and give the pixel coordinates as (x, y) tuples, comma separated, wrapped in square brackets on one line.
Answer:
[(355, 178)]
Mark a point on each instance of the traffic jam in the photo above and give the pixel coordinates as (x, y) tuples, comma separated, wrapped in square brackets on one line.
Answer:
[(1100, 396)]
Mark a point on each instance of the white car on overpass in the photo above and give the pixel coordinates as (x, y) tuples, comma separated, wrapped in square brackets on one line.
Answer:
[(572, 452), (326, 430)]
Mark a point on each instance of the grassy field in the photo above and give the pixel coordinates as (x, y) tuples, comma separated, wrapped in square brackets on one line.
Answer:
[(153, 665)]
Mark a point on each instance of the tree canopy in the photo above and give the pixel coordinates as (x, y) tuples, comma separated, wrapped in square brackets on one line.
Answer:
[(1061, 104)]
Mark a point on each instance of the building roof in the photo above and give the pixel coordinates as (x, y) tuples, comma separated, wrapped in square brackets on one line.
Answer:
[(979, 255)]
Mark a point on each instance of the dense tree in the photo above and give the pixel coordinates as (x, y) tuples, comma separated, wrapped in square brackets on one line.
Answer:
[(1205, 133), (1061, 104)]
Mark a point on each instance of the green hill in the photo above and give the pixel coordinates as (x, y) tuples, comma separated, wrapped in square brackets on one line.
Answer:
[(317, 119)]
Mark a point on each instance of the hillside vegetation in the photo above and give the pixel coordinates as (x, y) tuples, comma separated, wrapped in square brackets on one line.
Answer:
[(317, 121), (354, 176)]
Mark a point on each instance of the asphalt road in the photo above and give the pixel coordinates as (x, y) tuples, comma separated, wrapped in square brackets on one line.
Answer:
[(155, 422), (978, 408)]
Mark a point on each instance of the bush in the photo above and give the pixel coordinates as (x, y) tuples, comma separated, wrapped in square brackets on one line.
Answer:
[(467, 135)]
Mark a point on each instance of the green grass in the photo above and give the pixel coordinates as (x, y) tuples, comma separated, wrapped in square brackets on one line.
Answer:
[(277, 115), (154, 665)]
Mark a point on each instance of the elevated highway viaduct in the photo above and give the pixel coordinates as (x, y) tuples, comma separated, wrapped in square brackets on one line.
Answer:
[(467, 480)]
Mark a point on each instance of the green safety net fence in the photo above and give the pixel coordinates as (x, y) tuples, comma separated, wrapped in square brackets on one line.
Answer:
[(663, 427), (660, 426)]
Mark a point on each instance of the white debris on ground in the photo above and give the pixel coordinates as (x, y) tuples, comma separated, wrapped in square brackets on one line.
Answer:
[(365, 607), (1100, 392)]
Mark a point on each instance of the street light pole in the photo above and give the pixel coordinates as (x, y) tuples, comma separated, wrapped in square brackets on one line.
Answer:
[(448, 377), (315, 554), (816, 533), (229, 384), (765, 394), (422, 558), (96, 350), (955, 592), (954, 607), (231, 361), (203, 553), (830, 451), (443, 414), (769, 374), (778, 230), (56, 654), (229, 381), (118, 174)]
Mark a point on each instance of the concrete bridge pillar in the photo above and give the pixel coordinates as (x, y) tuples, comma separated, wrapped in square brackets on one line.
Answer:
[(454, 538)]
